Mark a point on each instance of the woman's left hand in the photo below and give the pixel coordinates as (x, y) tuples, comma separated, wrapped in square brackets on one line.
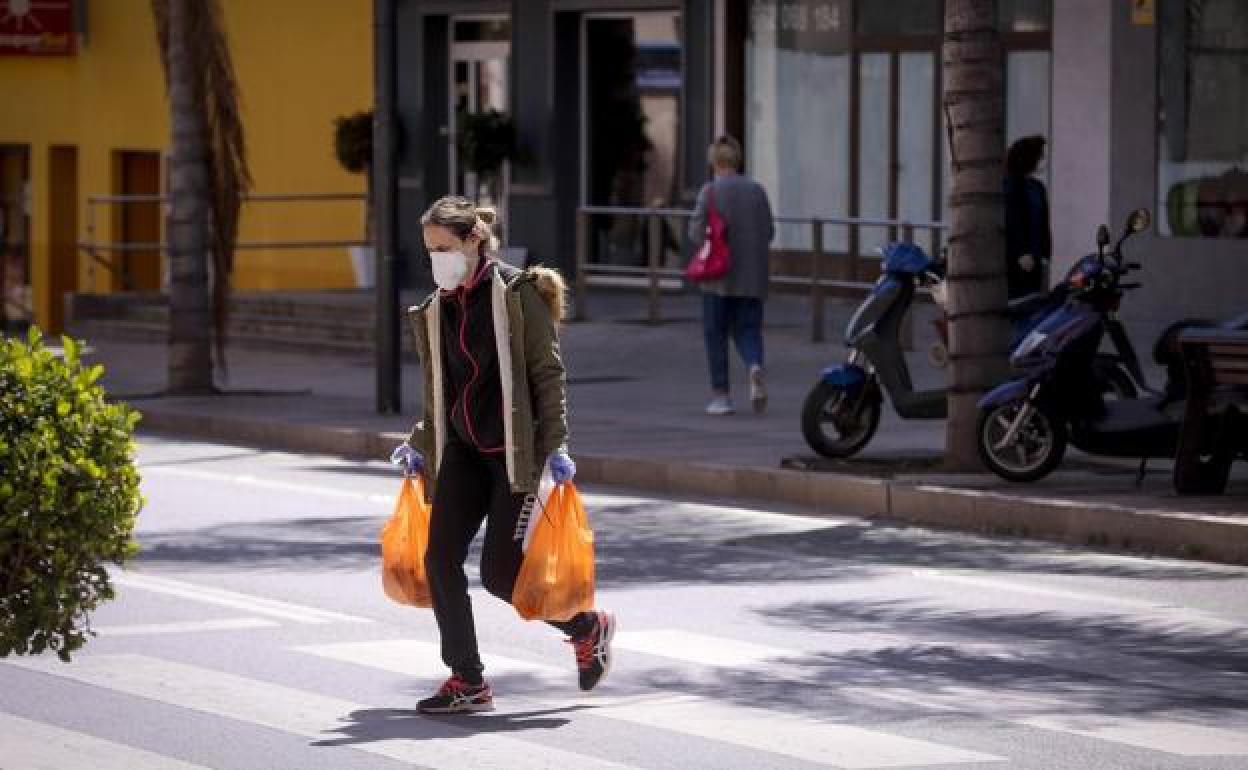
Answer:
[(562, 469)]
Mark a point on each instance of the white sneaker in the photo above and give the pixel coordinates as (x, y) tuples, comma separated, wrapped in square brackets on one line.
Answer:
[(720, 406), (758, 391)]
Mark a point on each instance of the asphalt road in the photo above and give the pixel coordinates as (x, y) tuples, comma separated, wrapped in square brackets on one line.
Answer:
[(252, 633)]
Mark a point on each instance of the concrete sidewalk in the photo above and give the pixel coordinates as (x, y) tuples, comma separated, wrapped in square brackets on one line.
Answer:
[(636, 396)]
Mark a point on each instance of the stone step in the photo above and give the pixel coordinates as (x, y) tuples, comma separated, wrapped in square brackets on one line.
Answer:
[(266, 335), (347, 307)]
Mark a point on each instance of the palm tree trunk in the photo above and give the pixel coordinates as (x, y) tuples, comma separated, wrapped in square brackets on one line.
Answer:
[(974, 98), (190, 305)]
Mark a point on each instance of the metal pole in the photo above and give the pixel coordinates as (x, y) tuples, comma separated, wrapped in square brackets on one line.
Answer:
[(816, 281), (851, 272), (582, 266), (656, 244), (385, 200), (91, 238)]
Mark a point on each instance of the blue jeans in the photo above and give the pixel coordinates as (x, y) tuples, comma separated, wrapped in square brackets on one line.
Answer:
[(740, 317)]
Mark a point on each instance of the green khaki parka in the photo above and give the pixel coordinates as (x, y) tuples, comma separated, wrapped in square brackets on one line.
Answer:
[(527, 307)]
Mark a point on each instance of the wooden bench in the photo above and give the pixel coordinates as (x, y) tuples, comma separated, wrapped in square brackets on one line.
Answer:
[(1215, 424)]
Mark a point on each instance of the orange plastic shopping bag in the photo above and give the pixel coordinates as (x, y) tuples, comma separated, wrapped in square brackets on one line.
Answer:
[(556, 579), (403, 542)]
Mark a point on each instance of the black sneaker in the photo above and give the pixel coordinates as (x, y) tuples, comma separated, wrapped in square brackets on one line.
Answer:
[(593, 650), (456, 696)]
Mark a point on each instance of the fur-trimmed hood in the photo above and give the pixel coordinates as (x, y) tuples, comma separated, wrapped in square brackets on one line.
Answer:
[(550, 284)]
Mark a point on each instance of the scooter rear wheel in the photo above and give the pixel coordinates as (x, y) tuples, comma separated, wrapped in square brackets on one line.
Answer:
[(1037, 447), (828, 426)]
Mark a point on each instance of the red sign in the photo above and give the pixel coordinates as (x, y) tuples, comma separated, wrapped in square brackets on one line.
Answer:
[(36, 27)]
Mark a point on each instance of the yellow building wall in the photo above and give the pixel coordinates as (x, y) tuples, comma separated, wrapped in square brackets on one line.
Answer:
[(300, 64)]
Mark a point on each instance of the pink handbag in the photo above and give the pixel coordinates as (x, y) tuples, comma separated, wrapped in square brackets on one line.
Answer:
[(712, 261)]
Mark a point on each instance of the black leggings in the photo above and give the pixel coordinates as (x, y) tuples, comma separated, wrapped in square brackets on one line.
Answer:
[(472, 487)]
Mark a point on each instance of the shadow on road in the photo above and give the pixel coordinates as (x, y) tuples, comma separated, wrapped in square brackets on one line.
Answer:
[(381, 724), (987, 661), (649, 544), (1157, 642)]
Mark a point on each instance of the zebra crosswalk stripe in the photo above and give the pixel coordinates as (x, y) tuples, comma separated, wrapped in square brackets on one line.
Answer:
[(185, 627), (772, 732), (217, 596), (30, 745), (327, 720), (1068, 715), (700, 649)]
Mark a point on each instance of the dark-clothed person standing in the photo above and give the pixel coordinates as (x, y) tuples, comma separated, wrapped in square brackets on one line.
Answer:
[(1028, 239), (733, 306)]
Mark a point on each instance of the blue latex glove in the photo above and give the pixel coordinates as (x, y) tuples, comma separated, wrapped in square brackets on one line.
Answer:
[(562, 469), (411, 461)]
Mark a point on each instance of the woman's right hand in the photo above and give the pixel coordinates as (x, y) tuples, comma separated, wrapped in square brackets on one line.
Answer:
[(410, 460)]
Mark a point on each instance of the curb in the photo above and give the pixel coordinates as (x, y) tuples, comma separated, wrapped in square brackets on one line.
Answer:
[(1098, 525)]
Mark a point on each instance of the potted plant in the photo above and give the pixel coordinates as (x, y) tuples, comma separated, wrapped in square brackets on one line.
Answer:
[(486, 142), (353, 146)]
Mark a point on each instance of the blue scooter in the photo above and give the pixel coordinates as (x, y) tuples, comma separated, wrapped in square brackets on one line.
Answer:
[(1024, 424), (842, 411)]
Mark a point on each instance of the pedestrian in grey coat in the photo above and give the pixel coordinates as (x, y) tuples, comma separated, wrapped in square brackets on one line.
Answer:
[(733, 305)]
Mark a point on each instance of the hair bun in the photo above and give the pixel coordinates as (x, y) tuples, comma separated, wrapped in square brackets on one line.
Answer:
[(487, 214)]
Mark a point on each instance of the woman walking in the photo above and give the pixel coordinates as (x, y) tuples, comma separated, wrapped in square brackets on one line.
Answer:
[(733, 305), (494, 417)]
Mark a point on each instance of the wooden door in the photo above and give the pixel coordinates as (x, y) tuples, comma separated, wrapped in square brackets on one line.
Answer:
[(62, 231), (140, 222)]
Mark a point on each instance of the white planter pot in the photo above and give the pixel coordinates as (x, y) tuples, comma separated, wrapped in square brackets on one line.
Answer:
[(364, 266)]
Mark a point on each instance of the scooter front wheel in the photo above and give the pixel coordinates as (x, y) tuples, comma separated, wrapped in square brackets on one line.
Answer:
[(1026, 451), (830, 425)]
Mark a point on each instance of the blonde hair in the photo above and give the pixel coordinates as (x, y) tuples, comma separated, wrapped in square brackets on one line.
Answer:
[(724, 152), (464, 218)]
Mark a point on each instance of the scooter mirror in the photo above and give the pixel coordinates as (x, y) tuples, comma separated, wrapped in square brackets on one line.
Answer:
[(1102, 236), (1139, 220)]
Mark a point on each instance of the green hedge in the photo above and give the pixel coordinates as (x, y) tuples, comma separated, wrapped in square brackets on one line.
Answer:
[(69, 495)]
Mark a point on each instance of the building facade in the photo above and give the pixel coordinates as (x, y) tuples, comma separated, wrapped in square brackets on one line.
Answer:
[(85, 115), (838, 105)]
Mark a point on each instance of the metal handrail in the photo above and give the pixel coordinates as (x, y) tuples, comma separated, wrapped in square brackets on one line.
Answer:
[(102, 253), (239, 246), (654, 271), (782, 218), (248, 198)]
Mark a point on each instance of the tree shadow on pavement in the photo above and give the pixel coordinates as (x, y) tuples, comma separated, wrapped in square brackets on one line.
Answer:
[(647, 543), (883, 543), (639, 545), (341, 543), (1158, 641), (984, 662)]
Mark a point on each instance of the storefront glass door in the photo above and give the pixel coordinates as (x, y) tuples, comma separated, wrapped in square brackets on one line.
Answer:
[(480, 54), (631, 92)]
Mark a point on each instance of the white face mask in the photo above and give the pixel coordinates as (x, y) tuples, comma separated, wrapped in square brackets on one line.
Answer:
[(450, 268)]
